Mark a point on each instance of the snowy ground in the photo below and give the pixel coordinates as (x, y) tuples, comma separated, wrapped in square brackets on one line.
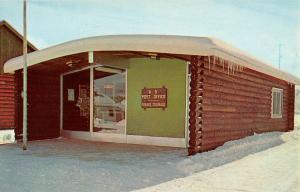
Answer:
[(265, 162), (71, 165), (297, 121), (274, 170)]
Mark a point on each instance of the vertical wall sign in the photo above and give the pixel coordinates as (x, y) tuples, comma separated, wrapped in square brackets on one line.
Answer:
[(154, 98)]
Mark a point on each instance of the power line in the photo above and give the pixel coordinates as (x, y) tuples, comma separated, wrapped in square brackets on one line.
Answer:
[(279, 54)]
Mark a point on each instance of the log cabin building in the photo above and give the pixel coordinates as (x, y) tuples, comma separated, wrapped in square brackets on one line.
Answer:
[(11, 45), (179, 91)]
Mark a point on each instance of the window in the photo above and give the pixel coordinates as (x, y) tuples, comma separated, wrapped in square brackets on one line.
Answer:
[(277, 103), (109, 100)]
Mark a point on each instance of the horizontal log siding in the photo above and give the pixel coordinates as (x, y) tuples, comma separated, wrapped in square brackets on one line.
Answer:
[(7, 101), (239, 104), (43, 106)]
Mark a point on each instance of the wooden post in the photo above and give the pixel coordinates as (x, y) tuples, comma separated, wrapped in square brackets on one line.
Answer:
[(196, 100), (25, 76)]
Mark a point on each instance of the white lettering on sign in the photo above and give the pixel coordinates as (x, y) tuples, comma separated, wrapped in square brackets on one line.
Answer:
[(154, 98)]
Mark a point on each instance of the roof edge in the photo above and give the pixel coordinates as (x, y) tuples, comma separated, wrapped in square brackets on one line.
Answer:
[(6, 24), (171, 44)]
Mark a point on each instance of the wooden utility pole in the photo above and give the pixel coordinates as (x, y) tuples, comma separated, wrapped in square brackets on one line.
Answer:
[(25, 76)]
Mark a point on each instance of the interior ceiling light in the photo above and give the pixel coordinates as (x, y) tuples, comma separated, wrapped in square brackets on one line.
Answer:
[(71, 63)]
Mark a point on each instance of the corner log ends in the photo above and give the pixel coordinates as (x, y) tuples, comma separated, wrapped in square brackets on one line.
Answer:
[(196, 100)]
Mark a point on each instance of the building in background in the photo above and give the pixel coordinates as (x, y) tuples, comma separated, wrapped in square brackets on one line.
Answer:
[(11, 45)]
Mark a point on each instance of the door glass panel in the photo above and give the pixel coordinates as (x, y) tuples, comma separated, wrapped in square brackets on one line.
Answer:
[(109, 101), (76, 101)]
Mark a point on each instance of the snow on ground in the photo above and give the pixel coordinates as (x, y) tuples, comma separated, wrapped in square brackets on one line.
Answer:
[(274, 170), (297, 121), (71, 165), (229, 152)]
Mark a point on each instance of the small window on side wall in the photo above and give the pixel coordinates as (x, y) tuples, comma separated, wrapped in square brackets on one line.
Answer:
[(277, 103)]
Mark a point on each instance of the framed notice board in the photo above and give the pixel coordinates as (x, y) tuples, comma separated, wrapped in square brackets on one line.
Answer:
[(154, 97)]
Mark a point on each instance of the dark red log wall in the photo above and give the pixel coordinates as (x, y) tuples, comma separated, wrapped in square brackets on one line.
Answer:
[(43, 106), (195, 107), (7, 103), (234, 104)]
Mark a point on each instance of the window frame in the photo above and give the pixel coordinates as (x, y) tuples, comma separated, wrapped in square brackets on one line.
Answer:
[(280, 91)]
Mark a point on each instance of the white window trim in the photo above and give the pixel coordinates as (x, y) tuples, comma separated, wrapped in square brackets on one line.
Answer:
[(278, 90)]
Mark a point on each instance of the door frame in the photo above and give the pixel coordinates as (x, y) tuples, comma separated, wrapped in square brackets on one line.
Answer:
[(91, 135), (187, 104)]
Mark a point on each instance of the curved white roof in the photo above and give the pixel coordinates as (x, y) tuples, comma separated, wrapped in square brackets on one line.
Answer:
[(186, 45)]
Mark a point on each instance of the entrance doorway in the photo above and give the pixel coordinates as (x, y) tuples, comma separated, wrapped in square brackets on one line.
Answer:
[(94, 100), (76, 108)]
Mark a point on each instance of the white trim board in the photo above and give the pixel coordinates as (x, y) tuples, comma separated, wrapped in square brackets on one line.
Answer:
[(156, 141), (91, 99), (108, 137), (187, 104), (129, 139)]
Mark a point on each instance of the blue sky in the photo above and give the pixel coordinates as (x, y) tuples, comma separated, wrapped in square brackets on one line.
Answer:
[(255, 26)]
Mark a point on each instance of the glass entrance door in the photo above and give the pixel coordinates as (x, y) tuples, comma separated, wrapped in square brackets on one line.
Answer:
[(76, 101), (109, 100)]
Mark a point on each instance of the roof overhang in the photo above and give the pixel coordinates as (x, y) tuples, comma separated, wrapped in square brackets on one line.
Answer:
[(183, 45)]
